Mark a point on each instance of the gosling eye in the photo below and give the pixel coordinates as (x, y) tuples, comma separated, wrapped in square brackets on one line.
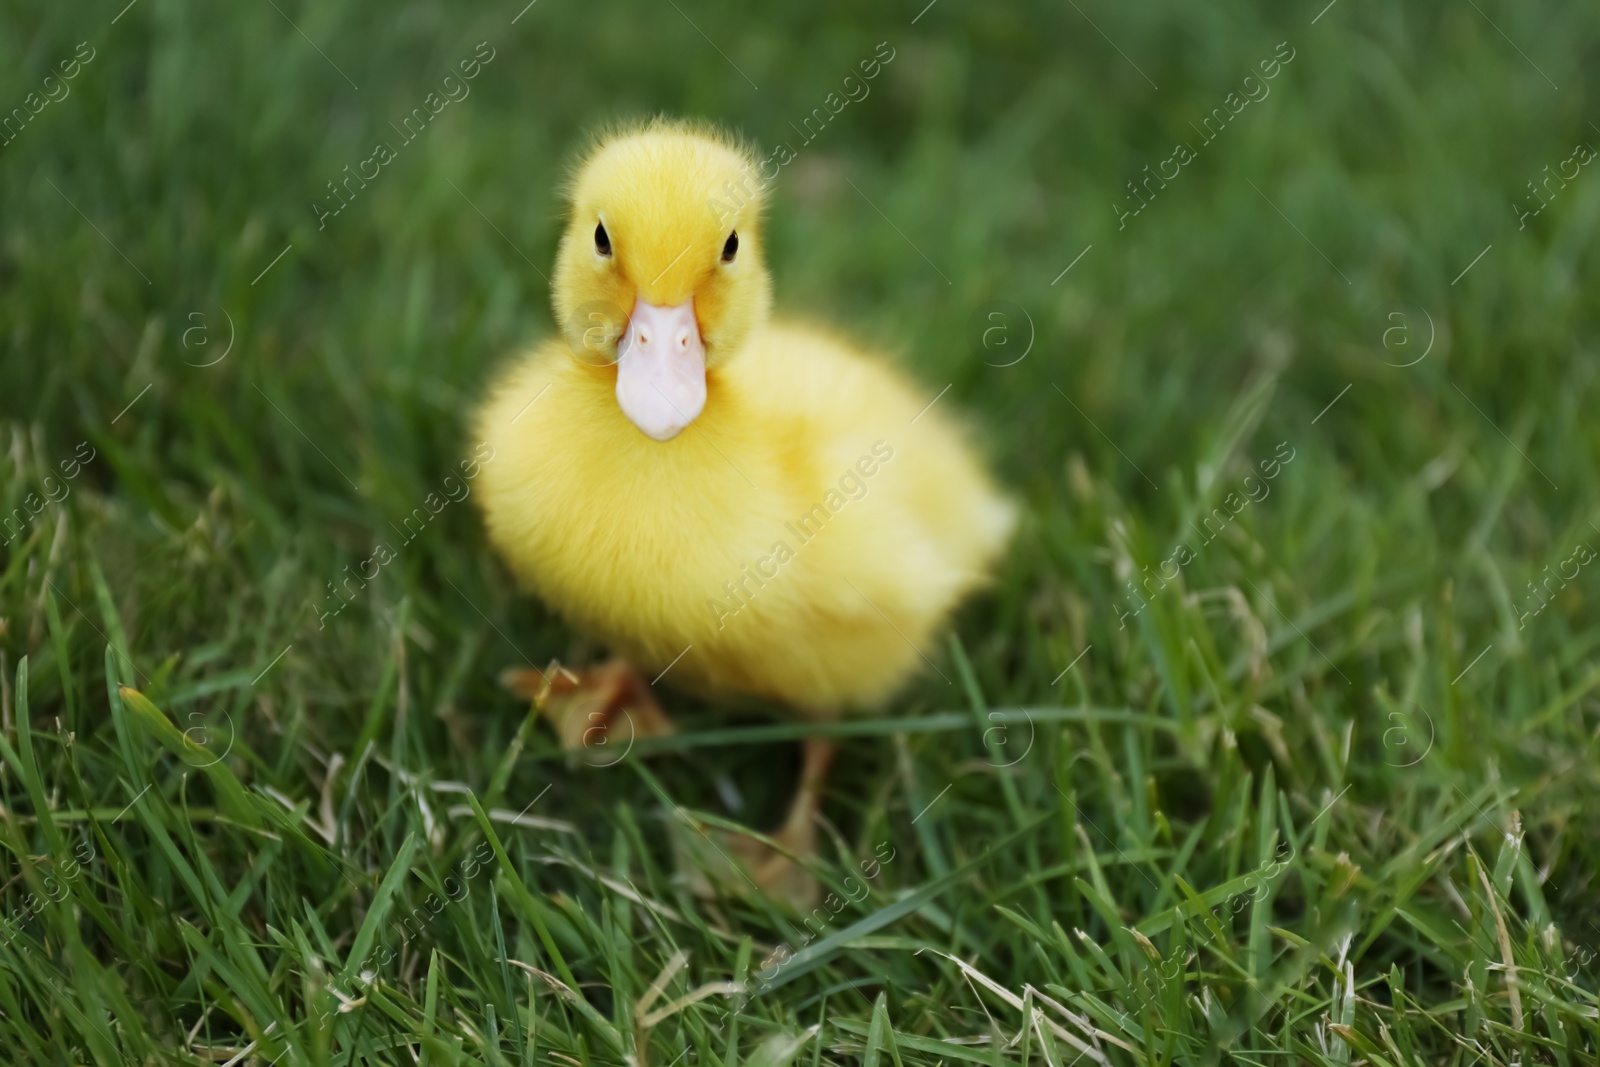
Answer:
[(602, 240), (730, 247)]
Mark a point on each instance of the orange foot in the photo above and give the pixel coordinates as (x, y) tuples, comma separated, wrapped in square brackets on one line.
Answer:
[(607, 705)]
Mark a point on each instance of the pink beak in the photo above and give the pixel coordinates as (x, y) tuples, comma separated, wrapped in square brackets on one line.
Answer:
[(661, 369)]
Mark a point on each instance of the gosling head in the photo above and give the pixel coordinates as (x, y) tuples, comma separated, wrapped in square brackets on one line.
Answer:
[(659, 274)]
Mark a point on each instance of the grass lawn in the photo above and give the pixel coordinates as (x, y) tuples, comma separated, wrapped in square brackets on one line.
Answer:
[(1274, 743)]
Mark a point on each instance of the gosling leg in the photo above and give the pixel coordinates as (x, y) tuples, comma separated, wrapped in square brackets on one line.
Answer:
[(779, 876)]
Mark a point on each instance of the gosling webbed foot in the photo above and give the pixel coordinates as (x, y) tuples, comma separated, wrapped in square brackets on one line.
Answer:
[(609, 704)]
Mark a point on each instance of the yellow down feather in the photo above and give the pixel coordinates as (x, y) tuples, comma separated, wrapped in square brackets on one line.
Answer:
[(805, 537)]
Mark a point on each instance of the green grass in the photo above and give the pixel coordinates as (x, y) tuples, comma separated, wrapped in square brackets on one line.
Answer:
[(1326, 798)]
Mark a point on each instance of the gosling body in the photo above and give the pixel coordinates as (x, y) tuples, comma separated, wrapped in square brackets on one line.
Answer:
[(750, 506)]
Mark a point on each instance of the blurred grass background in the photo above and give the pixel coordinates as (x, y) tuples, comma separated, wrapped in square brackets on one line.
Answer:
[(1345, 676)]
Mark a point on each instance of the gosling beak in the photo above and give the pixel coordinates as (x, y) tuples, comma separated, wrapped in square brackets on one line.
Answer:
[(661, 369)]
